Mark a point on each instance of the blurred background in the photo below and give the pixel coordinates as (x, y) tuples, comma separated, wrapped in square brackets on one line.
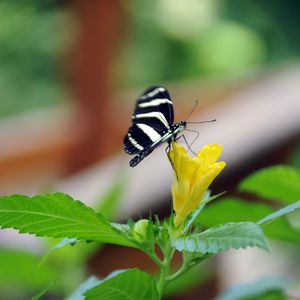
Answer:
[(70, 72)]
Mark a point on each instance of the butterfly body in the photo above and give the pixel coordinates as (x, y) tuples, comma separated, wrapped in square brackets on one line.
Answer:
[(152, 124)]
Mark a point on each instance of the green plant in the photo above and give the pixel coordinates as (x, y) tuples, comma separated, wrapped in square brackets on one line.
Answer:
[(196, 231), (29, 54)]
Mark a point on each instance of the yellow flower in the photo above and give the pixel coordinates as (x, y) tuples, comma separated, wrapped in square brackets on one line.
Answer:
[(192, 177)]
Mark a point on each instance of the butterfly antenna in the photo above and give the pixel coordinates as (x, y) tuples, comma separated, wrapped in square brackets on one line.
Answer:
[(207, 121), (195, 105)]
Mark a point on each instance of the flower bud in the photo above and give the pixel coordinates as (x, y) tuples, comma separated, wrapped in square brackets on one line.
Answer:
[(140, 230)]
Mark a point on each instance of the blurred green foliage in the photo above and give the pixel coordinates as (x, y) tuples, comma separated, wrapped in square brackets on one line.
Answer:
[(175, 40), (19, 269), (32, 35), (164, 40), (294, 157), (268, 288)]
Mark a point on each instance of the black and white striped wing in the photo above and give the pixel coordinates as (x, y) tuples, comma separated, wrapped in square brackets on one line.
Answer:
[(154, 105), (152, 117), (136, 140)]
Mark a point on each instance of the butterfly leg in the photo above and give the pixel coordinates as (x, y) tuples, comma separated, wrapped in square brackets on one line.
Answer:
[(168, 148), (189, 145), (194, 140), (177, 138), (184, 138)]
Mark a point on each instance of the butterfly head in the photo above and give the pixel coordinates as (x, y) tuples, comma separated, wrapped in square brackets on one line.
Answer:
[(181, 125), (178, 127)]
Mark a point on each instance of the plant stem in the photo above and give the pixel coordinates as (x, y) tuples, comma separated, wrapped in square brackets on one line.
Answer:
[(187, 265), (164, 271), (155, 258), (161, 285), (184, 268)]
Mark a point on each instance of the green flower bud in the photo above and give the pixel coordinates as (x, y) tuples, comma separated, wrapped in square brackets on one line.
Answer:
[(140, 230)]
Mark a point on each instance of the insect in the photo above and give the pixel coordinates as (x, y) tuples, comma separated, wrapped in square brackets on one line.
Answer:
[(152, 124)]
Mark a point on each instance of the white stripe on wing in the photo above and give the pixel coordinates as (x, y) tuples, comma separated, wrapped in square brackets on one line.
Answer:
[(155, 102), (153, 93), (134, 142), (154, 114), (149, 131)]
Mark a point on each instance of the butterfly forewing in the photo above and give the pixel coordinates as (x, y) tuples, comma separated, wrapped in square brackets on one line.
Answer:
[(155, 103)]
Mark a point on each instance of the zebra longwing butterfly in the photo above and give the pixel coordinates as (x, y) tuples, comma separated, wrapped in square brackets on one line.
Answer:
[(152, 124)]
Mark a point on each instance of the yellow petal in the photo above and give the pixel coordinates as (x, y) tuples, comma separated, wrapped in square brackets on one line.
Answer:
[(180, 191), (186, 206), (206, 179), (182, 163), (209, 154)]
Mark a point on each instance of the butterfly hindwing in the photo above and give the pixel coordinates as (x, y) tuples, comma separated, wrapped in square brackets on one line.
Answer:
[(136, 140)]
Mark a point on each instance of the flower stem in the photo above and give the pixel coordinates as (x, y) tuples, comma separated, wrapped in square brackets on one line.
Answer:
[(164, 271), (155, 258), (184, 268)]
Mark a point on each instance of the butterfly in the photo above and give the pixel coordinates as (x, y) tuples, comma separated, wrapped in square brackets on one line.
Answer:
[(152, 124)]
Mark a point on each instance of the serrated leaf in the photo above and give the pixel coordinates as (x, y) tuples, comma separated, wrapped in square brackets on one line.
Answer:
[(279, 183), (65, 242), (223, 237), (128, 284), (107, 209), (192, 218), (257, 289), (56, 215), (78, 294), (237, 210), (279, 213)]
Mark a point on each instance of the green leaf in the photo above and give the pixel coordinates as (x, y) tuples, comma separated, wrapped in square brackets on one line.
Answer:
[(238, 210), (223, 237), (257, 290), (78, 294), (62, 243), (279, 183), (128, 284), (42, 292), (207, 199), (107, 208), (279, 213), (18, 268), (57, 215), (65, 242), (109, 203)]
